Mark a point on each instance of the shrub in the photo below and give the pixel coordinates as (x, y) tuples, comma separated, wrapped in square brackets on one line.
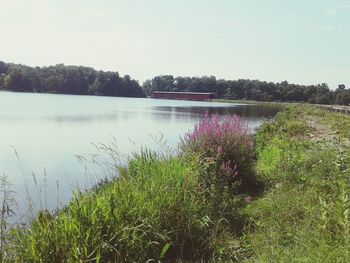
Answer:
[(226, 147)]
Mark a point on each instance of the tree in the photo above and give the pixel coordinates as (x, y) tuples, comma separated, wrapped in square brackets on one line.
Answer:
[(243, 89), (67, 80), (341, 87), (343, 97)]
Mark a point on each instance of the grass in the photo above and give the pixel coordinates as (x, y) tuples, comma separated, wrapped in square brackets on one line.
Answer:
[(162, 209), (338, 122), (304, 214), (153, 212)]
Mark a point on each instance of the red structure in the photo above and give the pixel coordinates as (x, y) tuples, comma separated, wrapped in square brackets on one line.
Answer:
[(183, 95)]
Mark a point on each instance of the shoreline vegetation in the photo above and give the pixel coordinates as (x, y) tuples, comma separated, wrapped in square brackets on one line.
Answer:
[(80, 80), (280, 195), (250, 90)]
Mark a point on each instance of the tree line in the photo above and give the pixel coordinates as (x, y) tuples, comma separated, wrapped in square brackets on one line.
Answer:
[(245, 89), (88, 81), (67, 80)]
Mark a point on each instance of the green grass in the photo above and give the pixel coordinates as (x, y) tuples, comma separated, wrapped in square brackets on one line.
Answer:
[(304, 214), (153, 212)]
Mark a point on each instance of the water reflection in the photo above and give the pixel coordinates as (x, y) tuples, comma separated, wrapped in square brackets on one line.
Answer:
[(85, 118), (254, 114), (250, 110)]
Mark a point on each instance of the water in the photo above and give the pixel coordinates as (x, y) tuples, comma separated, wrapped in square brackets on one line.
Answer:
[(42, 134)]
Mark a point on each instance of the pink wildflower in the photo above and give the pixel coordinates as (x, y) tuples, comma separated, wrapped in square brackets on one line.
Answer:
[(224, 141), (219, 150), (248, 199)]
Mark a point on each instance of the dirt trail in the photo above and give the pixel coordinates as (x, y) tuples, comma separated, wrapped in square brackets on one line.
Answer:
[(321, 132)]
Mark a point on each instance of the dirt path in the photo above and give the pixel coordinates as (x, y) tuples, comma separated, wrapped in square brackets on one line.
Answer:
[(321, 132)]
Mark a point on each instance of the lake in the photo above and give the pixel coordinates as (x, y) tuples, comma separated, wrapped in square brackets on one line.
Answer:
[(42, 135)]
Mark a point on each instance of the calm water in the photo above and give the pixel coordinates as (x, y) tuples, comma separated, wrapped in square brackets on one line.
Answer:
[(42, 134)]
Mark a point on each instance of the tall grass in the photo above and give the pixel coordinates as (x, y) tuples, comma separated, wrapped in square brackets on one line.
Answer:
[(160, 208), (154, 211), (6, 211)]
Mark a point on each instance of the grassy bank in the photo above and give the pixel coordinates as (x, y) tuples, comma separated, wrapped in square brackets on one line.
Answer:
[(152, 212), (223, 198), (304, 214), (161, 208)]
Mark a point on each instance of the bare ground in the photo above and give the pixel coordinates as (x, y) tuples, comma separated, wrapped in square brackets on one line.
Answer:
[(321, 132)]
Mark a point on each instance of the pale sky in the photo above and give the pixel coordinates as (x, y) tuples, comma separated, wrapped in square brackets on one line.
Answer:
[(302, 41)]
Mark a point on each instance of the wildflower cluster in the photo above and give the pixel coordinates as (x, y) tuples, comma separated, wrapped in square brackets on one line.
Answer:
[(226, 145)]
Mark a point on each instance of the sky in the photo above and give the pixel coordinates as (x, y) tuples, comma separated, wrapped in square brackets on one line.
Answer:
[(301, 41)]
